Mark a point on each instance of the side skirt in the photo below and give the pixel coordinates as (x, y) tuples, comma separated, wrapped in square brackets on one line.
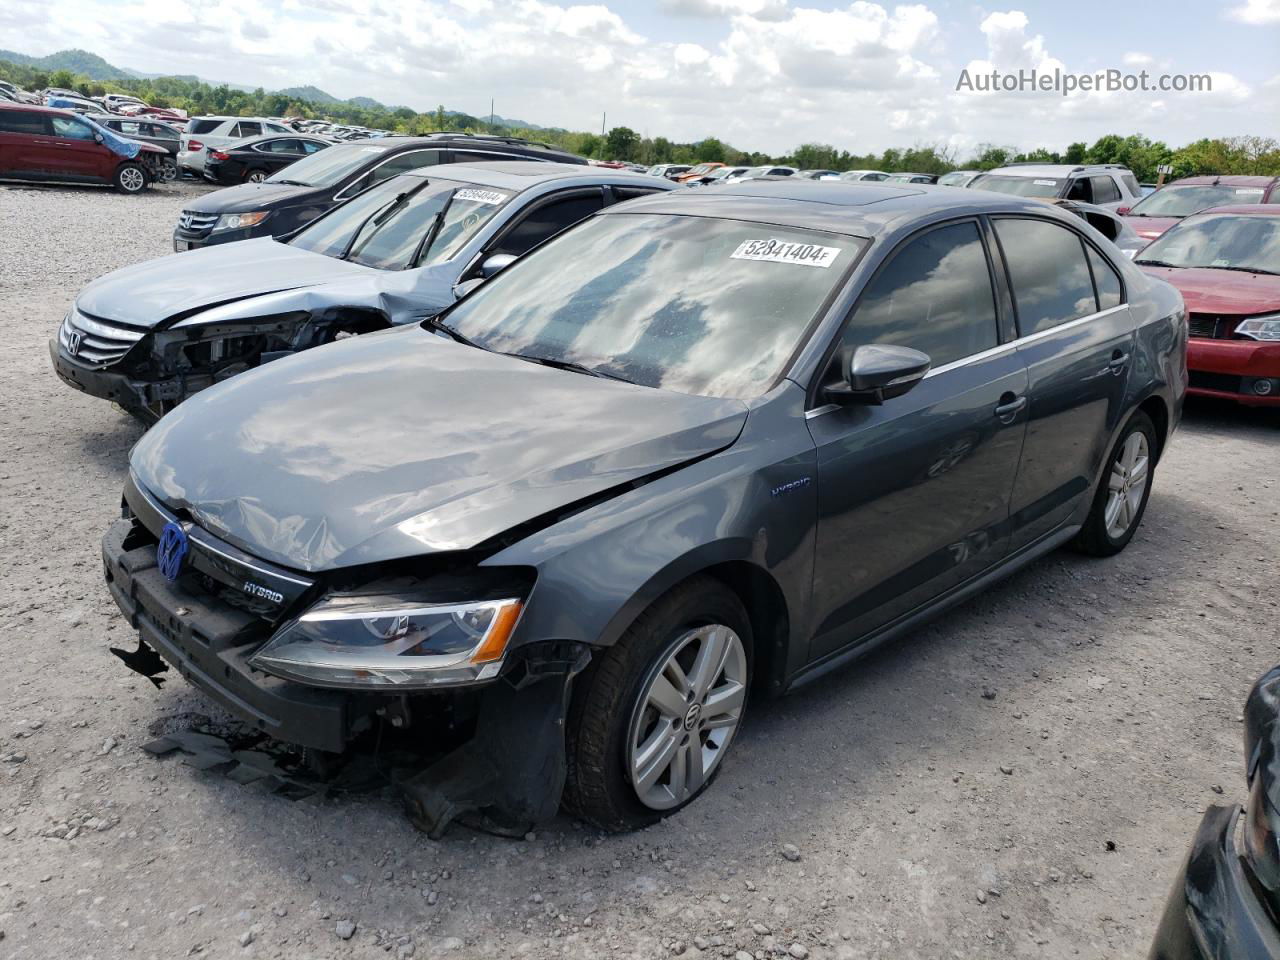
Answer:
[(860, 648)]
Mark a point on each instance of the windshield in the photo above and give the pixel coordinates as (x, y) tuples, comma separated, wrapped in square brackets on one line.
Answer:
[(1019, 186), (692, 304), (1175, 201), (1219, 241), (953, 180), (701, 168), (327, 167), (404, 222)]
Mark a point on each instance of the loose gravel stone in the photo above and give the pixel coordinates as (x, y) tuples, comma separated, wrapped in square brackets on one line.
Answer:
[(345, 929)]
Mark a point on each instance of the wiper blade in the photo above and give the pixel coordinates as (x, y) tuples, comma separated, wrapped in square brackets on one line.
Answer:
[(435, 323), (1269, 273), (294, 183), (560, 364), (1157, 263)]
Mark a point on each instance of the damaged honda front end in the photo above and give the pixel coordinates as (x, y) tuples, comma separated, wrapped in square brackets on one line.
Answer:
[(322, 661), (149, 372)]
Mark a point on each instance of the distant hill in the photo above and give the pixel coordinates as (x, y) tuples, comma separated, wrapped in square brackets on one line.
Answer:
[(96, 68), (77, 61)]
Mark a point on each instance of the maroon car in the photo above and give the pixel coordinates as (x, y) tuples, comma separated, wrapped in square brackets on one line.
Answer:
[(1226, 264), (46, 144), (1154, 214)]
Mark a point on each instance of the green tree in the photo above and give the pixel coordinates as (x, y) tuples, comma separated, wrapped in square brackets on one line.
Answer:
[(62, 78), (621, 143), (709, 150), (1075, 153)]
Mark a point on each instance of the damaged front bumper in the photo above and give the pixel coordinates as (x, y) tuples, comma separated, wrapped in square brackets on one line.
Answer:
[(148, 399), (1214, 911), (493, 752)]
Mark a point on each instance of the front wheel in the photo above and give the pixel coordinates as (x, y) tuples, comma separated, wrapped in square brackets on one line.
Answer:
[(1122, 496), (654, 715), (131, 178)]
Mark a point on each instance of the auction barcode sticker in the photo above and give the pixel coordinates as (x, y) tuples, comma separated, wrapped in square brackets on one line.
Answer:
[(782, 251), (480, 196)]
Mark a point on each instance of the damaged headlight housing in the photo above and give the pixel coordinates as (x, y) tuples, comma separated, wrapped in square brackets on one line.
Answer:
[(1260, 328), (381, 643), (240, 221)]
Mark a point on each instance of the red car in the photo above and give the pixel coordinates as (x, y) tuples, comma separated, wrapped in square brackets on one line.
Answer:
[(1154, 214), (1226, 263), (46, 144)]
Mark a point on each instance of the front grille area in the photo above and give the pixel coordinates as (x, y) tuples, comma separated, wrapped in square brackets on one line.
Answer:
[(95, 340), (193, 222), (1222, 382), (1209, 326)]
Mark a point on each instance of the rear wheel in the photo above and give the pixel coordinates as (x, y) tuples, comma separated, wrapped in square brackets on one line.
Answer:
[(168, 170), (256, 176), (130, 178), (1121, 499), (654, 715)]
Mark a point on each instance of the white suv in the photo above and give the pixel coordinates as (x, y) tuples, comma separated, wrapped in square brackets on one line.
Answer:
[(1102, 184), (206, 133)]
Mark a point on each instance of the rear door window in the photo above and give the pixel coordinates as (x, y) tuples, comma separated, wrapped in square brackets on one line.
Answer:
[(1104, 190), (1105, 279), (247, 129), (1047, 271), (934, 295), (24, 121)]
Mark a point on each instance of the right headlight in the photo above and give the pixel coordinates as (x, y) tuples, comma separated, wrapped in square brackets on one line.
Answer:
[(239, 221), (1260, 328), (382, 643)]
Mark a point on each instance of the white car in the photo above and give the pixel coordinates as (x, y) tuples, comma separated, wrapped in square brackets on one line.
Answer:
[(869, 176), (114, 102), (765, 171), (208, 133), (1103, 184), (959, 178)]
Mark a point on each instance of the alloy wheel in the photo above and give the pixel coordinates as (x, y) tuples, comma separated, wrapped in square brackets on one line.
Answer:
[(1127, 484), (132, 179), (257, 176), (689, 708)]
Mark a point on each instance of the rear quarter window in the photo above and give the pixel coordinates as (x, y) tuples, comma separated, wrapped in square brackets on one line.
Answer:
[(22, 121), (203, 126)]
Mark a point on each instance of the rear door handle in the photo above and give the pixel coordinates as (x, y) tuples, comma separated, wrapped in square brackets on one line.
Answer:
[(1118, 360), (1007, 410)]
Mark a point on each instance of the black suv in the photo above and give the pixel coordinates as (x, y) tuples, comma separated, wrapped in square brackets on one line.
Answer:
[(295, 196)]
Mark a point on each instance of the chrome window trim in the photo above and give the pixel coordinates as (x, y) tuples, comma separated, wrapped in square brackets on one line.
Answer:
[(343, 195), (1007, 347)]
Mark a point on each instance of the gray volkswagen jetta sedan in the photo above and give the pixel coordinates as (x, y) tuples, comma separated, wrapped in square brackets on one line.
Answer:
[(698, 447)]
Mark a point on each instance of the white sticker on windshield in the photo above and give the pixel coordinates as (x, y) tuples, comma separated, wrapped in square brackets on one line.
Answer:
[(1046, 183), (782, 251), (480, 196), (1255, 191)]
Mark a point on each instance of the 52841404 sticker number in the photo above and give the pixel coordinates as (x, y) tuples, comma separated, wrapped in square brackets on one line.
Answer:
[(783, 251)]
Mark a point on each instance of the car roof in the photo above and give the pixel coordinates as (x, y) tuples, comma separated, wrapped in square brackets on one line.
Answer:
[(1054, 169), (519, 175), (857, 209), (1227, 180), (406, 140)]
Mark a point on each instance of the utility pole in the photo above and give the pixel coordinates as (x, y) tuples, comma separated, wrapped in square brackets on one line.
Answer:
[(491, 111), (602, 116)]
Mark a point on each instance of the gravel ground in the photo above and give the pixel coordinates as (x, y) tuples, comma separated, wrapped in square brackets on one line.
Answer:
[(1020, 779)]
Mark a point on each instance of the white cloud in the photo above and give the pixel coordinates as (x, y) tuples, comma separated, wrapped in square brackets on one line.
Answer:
[(764, 75), (760, 9), (1256, 12)]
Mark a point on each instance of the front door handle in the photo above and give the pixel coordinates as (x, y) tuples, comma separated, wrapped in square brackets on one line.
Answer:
[(1010, 406), (1118, 360)]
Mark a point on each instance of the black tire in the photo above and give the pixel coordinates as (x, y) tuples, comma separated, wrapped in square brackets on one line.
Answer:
[(598, 788), (131, 178), (1094, 538), (169, 170)]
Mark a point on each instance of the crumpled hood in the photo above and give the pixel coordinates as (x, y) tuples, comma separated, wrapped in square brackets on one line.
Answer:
[(1206, 290), (245, 197), (150, 292), (404, 443)]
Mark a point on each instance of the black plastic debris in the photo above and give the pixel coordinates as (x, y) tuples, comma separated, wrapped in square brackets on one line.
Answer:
[(145, 661)]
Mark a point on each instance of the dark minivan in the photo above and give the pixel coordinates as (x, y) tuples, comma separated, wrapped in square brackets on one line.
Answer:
[(704, 444), (298, 194)]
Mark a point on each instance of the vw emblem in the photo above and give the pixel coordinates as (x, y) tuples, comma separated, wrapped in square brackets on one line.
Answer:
[(73, 341), (171, 550)]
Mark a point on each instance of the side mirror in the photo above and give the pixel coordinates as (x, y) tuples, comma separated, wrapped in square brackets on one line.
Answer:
[(496, 263), (1123, 211), (878, 372)]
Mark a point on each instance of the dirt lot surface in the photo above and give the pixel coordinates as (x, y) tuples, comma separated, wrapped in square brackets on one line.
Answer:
[(1019, 780)]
